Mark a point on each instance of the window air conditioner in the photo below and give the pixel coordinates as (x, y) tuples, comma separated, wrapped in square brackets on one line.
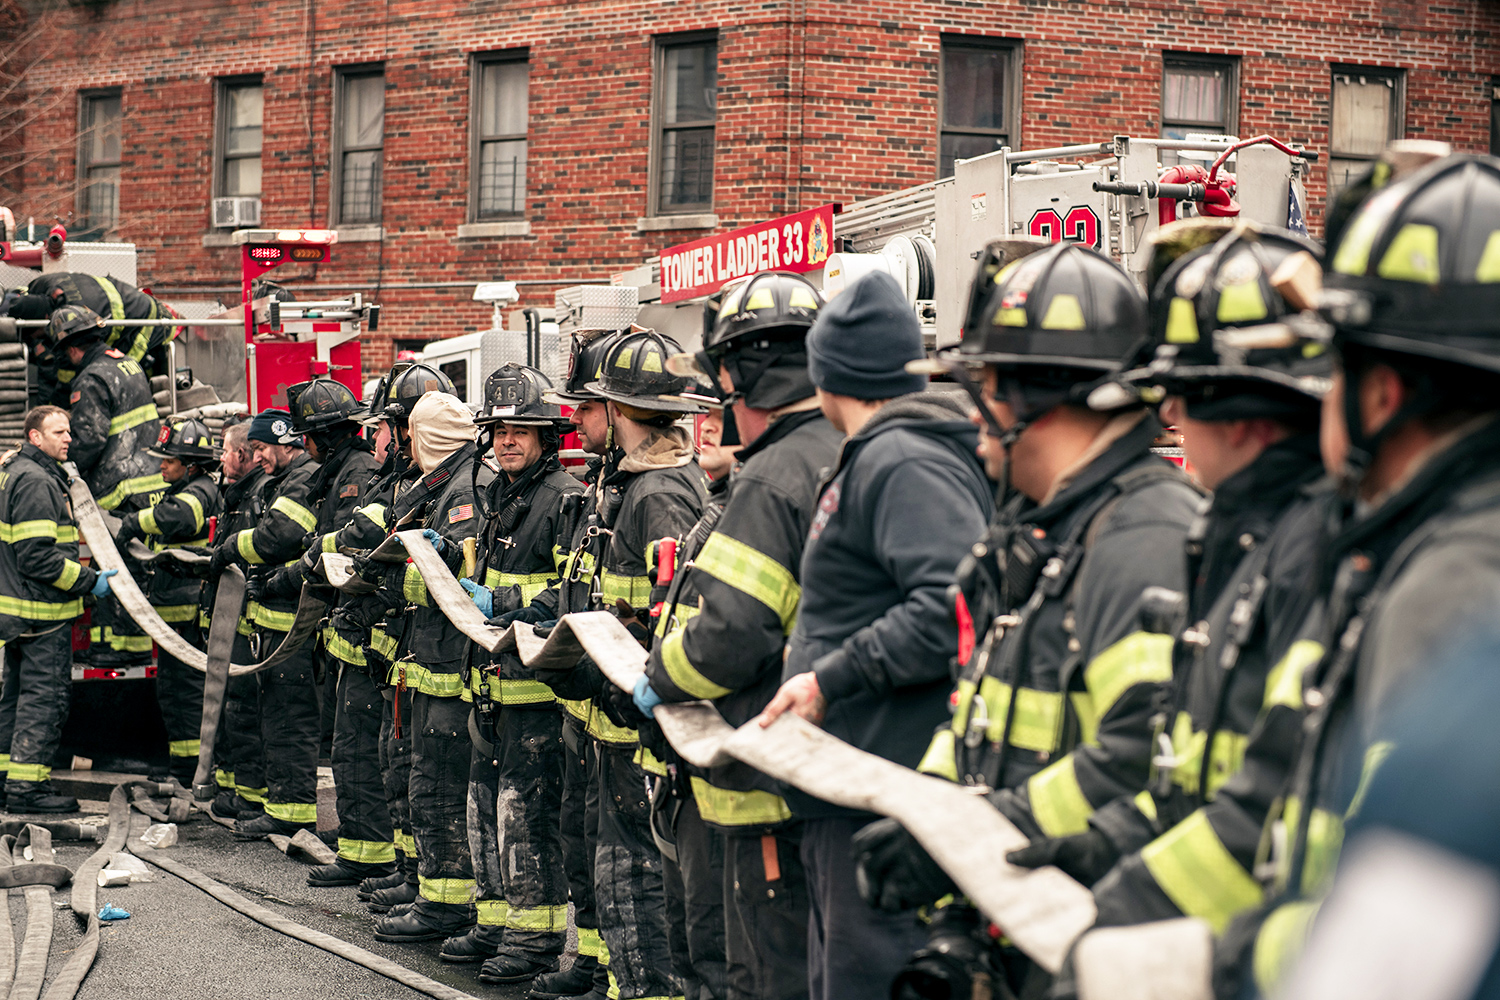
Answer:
[(234, 213)]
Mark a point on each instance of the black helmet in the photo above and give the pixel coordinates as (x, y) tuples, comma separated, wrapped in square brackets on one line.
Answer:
[(403, 386), (321, 405), (513, 395), (190, 440), (1223, 336), (585, 365), (1417, 269), (73, 323), (759, 337), (1064, 310), (635, 373)]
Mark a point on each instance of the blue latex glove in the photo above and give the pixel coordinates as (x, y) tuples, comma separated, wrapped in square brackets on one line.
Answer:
[(435, 538), (484, 597), (101, 585), (646, 698)]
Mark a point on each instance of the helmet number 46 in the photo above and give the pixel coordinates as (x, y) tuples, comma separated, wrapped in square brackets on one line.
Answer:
[(1080, 225)]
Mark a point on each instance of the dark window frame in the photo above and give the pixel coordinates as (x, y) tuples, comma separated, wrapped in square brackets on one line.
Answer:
[(661, 46), (1010, 136), (1194, 60), (1397, 82), (222, 86), (477, 63), (84, 163), (341, 76)]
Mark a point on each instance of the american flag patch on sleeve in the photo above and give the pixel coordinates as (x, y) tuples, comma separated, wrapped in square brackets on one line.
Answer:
[(461, 513)]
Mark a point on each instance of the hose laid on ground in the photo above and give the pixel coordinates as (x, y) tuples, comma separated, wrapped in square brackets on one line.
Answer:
[(221, 633), (31, 967), (101, 543)]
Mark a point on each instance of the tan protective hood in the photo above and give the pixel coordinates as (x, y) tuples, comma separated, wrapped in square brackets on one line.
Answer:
[(440, 425)]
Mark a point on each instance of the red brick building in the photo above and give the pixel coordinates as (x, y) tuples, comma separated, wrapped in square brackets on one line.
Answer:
[(552, 143)]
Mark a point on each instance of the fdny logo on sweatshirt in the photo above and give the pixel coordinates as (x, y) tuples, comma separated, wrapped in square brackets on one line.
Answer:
[(461, 513), (827, 507)]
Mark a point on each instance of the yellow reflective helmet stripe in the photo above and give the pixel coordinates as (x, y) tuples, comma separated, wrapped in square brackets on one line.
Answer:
[(751, 571), (1412, 255), (728, 807), (1182, 322), (1279, 943), (1196, 871), (1057, 801), (1064, 313), (686, 676), (941, 758), (1241, 303), (1488, 270), (1285, 681), (1139, 658), (294, 510)]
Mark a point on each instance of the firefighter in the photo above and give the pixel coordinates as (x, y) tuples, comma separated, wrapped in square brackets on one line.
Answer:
[(290, 723), (432, 651), (515, 786), (114, 422), (241, 775), (1410, 429), (744, 580), (326, 413), (375, 626), (869, 649), (1244, 373), (42, 586), (189, 454), (107, 297), (579, 548)]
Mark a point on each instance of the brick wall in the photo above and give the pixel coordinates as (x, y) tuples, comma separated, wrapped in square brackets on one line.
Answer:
[(818, 101)]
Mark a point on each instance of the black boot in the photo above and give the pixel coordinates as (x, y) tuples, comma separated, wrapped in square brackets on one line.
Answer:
[(346, 872), (229, 805), (516, 967), (371, 886), (382, 900), (574, 981), (37, 797), (425, 921), (257, 826), (475, 945)]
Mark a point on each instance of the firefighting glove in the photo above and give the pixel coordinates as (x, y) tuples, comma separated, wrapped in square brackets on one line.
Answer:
[(530, 615), (223, 556), (631, 621), (312, 563), (369, 570), (585, 680), (285, 582), (255, 588), (435, 538), (645, 697), (130, 527), (620, 707), (893, 872), (484, 597), (1085, 856), (101, 583)]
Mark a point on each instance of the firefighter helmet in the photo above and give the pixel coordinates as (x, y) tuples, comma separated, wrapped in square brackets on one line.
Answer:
[(513, 394), (1417, 269), (769, 303), (403, 386), (73, 323), (189, 440), (1067, 311), (1223, 337), (585, 365), (635, 374), (321, 405)]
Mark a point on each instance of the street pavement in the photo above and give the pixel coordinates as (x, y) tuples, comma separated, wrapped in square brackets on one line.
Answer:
[(181, 944)]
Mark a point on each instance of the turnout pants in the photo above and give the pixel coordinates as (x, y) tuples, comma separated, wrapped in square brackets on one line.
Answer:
[(364, 819), (529, 798), (114, 637), (578, 822), (695, 904), (853, 950), (628, 883), (179, 694), (765, 915), (395, 772), (239, 745), (291, 732), (34, 704), (440, 757)]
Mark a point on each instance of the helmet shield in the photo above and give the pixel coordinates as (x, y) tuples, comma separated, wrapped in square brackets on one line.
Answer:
[(513, 394)]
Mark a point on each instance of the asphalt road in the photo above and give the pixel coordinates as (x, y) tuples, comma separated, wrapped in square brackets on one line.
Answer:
[(182, 944)]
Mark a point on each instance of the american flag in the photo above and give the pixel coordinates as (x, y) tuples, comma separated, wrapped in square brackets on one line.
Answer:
[(1296, 221)]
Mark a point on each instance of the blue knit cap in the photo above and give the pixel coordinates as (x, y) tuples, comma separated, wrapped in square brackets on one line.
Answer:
[(273, 427), (861, 341)]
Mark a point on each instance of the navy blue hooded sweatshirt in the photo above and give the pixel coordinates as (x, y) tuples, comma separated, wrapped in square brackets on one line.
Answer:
[(906, 501)]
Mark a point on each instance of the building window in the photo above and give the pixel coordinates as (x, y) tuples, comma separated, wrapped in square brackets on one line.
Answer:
[(687, 89), (1198, 94), (978, 108), (1366, 115), (240, 113), (359, 135), (99, 159), (499, 141)]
